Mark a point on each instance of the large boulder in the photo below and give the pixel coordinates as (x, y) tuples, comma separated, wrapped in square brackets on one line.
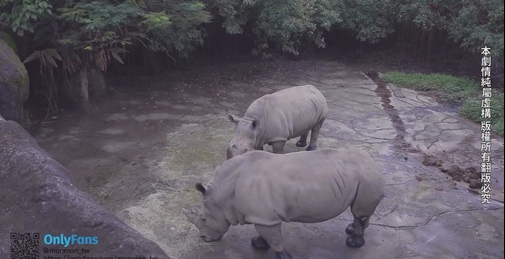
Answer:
[(8, 39), (76, 90), (14, 84), (96, 83), (37, 196)]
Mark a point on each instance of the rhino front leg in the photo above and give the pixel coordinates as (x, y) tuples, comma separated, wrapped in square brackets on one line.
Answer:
[(278, 146), (314, 135), (272, 236), (302, 142)]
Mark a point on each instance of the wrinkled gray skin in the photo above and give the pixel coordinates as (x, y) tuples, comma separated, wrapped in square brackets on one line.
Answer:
[(265, 189), (276, 118)]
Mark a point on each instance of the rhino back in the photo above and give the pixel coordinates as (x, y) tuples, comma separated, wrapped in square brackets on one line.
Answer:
[(291, 112), (286, 188)]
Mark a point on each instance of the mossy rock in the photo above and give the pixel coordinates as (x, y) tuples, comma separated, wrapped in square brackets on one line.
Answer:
[(14, 84), (7, 38)]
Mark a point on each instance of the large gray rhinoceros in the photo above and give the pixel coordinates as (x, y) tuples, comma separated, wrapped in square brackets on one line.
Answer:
[(276, 118), (265, 189)]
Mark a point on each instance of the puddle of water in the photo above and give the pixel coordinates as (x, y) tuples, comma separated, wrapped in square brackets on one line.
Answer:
[(385, 94)]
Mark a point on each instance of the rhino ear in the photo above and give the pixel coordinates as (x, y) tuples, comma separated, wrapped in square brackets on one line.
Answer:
[(230, 117), (199, 187)]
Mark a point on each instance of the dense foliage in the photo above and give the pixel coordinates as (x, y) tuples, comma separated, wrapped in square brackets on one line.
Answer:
[(76, 34)]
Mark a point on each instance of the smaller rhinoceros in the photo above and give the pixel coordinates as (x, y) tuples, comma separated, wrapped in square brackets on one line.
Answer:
[(266, 189), (276, 118)]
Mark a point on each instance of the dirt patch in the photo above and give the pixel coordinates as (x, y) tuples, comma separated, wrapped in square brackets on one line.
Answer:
[(469, 175)]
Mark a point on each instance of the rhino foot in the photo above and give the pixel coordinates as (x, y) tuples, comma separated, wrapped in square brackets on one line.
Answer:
[(301, 143), (355, 241), (283, 255), (259, 243), (311, 148), (350, 229)]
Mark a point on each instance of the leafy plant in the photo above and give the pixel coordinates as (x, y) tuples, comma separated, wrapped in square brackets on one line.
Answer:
[(23, 15), (47, 62), (479, 24)]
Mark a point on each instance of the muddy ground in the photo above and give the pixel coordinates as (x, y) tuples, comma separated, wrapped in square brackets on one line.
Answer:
[(141, 153)]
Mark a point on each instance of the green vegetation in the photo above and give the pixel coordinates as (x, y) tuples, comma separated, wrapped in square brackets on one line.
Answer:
[(463, 92), (67, 36)]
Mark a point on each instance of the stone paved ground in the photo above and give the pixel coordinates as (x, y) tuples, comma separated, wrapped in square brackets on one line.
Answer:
[(141, 153)]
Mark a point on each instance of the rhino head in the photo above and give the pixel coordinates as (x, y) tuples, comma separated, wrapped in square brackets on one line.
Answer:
[(207, 218), (244, 139)]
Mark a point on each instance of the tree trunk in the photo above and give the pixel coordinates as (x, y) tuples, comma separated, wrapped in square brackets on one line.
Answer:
[(430, 43), (422, 43)]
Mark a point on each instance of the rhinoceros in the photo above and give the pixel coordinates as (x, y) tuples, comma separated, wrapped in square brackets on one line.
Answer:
[(276, 118), (266, 189)]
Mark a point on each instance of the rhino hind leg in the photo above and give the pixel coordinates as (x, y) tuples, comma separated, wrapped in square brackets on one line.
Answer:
[(356, 230), (302, 142), (314, 135), (362, 208), (272, 236)]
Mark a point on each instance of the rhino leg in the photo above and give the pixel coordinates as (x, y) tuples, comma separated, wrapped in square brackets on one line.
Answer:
[(362, 208), (278, 146), (272, 236), (259, 243), (259, 148), (314, 135), (359, 225), (302, 142), (349, 230)]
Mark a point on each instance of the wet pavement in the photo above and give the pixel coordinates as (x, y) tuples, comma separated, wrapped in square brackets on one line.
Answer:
[(142, 152)]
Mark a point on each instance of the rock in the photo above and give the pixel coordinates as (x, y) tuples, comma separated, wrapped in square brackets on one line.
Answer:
[(97, 86), (37, 196), (8, 39), (76, 89), (14, 84), (83, 88)]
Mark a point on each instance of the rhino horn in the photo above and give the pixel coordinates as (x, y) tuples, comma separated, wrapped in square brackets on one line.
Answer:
[(190, 215)]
